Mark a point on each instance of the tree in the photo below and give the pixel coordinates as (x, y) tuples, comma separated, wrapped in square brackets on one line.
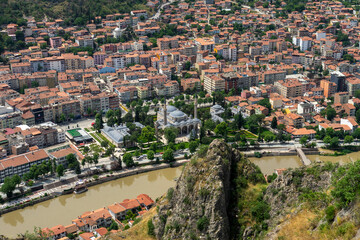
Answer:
[(99, 123), (110, 150), (9, 185), (95, 158), (356, 133), (207, 28), (118, 115), (62, 117), (193, 146), (210, 125), (111, 121), (221, 129), (274, 123), (128, 160), (330, 113), (303, 140), (150, 155), (20, 36), (60, 170), (168, 156), (334, 143), (357, 93), (72, 161), (147, 134), (16, 179), (269, 138), (154, 146), (327, 139), (348, 139), (104, 144), (187, 65), (86, 149), (265, 102), (171, 134), (239, 120)]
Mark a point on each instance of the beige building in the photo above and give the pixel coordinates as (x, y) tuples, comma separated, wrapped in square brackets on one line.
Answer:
[(290, 88), (214, 83)]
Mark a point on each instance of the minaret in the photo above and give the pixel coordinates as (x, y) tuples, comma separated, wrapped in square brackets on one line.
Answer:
[(195, 107), (165, 115)]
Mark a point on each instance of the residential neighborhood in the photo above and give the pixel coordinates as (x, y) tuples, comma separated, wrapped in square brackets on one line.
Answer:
[(98, 97)]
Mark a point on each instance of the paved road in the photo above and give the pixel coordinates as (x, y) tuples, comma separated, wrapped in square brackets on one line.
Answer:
[(158, 13), (257, 10)]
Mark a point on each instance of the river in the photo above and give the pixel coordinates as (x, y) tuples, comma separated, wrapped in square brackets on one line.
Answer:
[(269, 164), (63, 209), (351, 157)]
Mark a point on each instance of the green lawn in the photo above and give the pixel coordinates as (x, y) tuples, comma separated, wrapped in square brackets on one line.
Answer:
[(248, 134), (95, 137), (266, 133), (103, 138)]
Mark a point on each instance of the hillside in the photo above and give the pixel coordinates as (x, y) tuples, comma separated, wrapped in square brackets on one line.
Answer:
[(75, 12), (222, 195)]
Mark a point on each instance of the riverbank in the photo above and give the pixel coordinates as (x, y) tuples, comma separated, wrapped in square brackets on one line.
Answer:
[(280, 152), (103, 178), (63, 209)]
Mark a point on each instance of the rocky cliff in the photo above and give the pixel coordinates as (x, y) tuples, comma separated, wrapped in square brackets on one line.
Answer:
[(222, 195), (198, 206)]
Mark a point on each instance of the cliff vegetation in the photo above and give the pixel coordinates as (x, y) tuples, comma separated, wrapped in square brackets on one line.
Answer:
[(222, 195)]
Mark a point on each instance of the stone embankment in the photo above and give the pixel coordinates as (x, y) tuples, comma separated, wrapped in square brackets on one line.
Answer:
[(105, 177)]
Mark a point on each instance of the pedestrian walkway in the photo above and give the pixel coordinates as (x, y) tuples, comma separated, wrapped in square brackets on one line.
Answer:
[(303, 157)]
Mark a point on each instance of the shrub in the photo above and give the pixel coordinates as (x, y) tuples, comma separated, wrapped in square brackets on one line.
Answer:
[(257, 154), (202, 223), (190, 182), (202, 151), (170, 193), (271, 178), (204, 192), (96, 177), (187, 200), (260, 211), (30, 183), (330, 213)]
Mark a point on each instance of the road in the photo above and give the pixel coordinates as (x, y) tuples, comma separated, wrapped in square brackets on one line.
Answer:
[(158, 13), (257, 10)]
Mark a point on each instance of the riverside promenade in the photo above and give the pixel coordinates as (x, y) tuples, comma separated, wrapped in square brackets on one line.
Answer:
[(46, 194)]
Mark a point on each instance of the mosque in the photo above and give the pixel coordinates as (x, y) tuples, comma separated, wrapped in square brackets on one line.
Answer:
[(170, 116)]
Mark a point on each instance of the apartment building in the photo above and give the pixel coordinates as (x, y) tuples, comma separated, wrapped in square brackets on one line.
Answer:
[(22, 67), (214, 83), (21, 164), (329, 88), (353, 84), (10, 120), (55, 42), (204, 44), (272, 76), (167, 43), (290, 88), (341, 98), (190, 83)]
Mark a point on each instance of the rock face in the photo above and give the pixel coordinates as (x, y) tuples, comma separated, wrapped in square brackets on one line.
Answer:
[(198, 206), (284, 194)]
